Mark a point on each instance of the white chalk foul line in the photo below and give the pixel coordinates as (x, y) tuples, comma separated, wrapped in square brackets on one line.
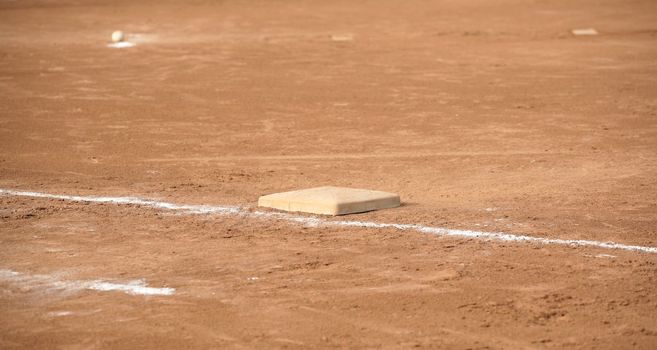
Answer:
[(318, 221), (136, 287)]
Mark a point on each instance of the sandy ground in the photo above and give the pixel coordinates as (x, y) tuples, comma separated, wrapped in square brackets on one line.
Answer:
[(482, 115)]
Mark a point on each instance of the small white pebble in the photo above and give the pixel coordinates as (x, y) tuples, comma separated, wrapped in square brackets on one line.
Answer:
[(117, 36)]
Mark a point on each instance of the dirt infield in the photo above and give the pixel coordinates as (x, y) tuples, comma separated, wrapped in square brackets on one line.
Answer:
[(487, 116)]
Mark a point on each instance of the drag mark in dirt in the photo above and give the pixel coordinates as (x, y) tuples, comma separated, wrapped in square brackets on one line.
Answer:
[(47, 282), (318, 221)]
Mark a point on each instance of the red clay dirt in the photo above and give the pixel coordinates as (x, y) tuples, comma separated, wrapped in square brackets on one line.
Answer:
[(482, 115)]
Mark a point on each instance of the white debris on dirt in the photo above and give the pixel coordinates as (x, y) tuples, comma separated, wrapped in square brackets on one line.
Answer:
[(53, 283), (585, 31), (60, 313), (121, 45), (342, 37)]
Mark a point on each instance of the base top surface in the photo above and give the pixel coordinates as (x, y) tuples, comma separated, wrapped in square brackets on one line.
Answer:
[(330, 200)]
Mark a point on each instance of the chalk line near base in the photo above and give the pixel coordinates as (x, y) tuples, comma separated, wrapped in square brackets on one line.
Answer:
[(319, 221)]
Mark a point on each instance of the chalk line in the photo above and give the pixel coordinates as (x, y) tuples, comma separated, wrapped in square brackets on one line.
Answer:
[(49, 282), (319, 221)]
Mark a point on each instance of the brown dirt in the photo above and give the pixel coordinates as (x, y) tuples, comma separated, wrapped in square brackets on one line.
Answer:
[(484, 115)]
